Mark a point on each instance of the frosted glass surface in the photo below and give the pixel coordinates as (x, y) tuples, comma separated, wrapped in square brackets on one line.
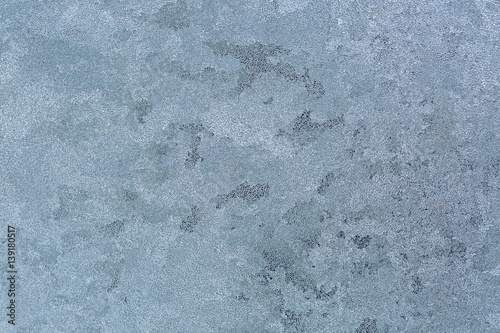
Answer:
[(264, 166)]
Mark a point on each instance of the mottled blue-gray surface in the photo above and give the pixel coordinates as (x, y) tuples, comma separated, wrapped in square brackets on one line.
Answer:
[(263, 166)]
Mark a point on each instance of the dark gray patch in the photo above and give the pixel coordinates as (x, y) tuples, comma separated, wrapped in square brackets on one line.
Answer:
[(160, 149), (194, 156), (310, 240), (304, 123), (194, 131), (209, 71), (360, 130), (276, 259), (141, 109), (356, 217), (115, 278), (114, 228), (192, 220), (291, 321), (305, 130), (285, 70), (313, 87), (398, 195), (243, 191), (325, 215), (131, 195), (264, 278), (341, 234), (285, 259), (457, 250), (416, 285), (475, 221), (363, 268), (323, 293), (255, 56), (466, 165), (268, 101), (242, 297), (361, 242), (326, 182), (299, 214), (367, 326), (493, 167), (395, 167), (452, 40), (173, 15), (301, 281)]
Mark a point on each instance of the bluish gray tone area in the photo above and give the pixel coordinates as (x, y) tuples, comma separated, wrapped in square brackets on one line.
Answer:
[(263, 166)]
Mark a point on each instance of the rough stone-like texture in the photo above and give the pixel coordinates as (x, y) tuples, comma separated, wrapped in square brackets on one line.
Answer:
[(251, 166)]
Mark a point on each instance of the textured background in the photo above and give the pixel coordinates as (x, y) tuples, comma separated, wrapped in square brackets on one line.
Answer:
[(252, 166)]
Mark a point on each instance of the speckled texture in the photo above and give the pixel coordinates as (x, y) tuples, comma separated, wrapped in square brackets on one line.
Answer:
[(264, 166)]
